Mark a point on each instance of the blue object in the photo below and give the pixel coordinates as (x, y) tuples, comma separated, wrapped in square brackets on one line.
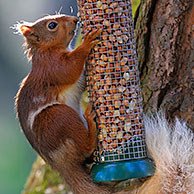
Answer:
[(116, 171)]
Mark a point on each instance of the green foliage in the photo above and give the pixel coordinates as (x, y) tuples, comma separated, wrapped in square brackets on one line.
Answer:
[(135, 4)]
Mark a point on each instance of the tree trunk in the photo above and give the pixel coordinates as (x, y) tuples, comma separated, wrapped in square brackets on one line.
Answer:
[(165, 47)]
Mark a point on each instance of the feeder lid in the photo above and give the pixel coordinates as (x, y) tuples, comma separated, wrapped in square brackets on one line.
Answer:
[(116, 171)]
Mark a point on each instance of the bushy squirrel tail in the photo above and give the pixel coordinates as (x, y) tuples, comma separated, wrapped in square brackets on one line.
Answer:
[(172, 149), (68, 164)]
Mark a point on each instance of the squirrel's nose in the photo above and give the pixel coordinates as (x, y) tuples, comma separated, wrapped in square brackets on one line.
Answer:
[(75, 20)]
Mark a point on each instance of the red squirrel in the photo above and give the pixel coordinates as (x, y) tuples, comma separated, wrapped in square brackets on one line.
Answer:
[(48, 101)]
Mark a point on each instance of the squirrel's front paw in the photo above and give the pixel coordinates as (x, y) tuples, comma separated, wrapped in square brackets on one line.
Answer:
[(89, 114), (90, 38)]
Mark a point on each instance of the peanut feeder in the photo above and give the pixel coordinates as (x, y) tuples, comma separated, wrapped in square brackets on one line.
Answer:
[(114, 91)]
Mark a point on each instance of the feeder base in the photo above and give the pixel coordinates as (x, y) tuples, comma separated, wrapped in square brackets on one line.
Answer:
[(123, 170)]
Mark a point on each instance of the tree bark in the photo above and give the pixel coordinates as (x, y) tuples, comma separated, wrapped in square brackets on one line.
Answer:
[(165, 46)]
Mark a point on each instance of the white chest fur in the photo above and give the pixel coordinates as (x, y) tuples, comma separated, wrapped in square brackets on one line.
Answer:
[(72, 96)]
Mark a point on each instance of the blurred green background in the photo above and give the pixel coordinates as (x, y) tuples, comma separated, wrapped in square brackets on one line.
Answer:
[(16, 155)]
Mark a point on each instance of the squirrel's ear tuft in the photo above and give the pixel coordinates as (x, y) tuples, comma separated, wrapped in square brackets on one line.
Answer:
[(29, 33), (22, 28), (26, 30)]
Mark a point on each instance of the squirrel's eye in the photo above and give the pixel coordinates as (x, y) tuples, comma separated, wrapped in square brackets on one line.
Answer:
[(52, 26)]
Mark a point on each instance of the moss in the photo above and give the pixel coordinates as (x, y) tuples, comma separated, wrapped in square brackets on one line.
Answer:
[(43, 180)]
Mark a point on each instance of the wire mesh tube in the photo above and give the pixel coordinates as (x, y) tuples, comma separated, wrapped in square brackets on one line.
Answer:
[(113, 80)]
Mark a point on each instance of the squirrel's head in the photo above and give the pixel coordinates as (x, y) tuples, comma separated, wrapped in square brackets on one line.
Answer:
[(49, 31)]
